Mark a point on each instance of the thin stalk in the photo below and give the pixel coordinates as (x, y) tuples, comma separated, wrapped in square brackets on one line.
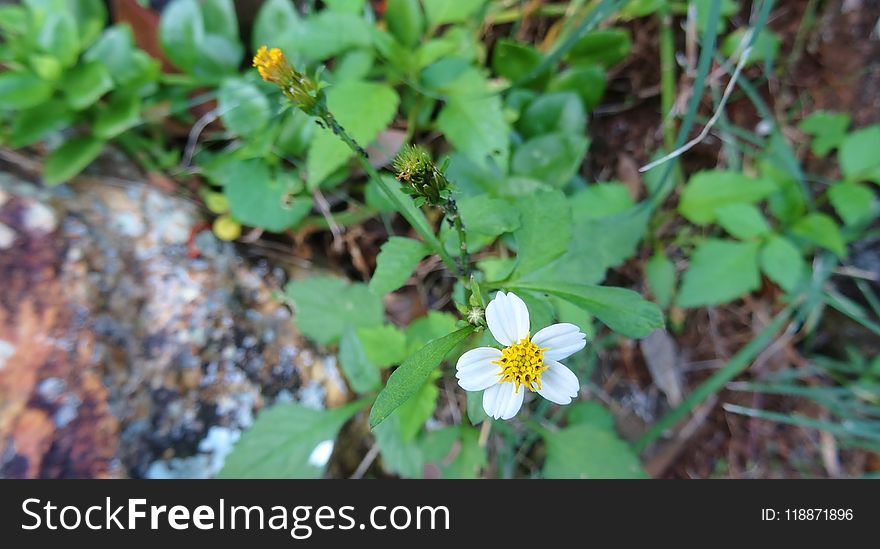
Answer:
[(408, 211), (454, 217), (667, 76)]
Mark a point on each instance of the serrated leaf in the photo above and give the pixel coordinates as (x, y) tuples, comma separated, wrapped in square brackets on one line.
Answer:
[(326, 306), (362, 374), (242, 107), (707, 191), (260, 199), (552, 158), (71, 158), (719, 271), (828, 130), (622, 310), (415, 370), (781, 261), (853, 202), (600, 200), (346, 101), (545, 230), (282, 440), (661, 278), (589, 450), (485, 219), (821, 230), (476, 126), (396, 262), (742, 220), (384, 345), (858, 154)]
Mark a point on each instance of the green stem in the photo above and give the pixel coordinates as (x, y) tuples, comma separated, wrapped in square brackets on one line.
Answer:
[(451, 210), (667, 76), (408, 211)]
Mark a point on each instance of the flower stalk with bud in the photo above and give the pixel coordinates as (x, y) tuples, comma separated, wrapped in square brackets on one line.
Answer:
[(305, 93)]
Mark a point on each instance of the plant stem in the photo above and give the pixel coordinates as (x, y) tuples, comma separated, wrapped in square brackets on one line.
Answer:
[(408, 211), (454, 217)]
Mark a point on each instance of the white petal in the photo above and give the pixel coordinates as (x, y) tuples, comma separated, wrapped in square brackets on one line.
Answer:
[(502, 400), (558, 383), (560, 340), (475, 370), (508, 318)]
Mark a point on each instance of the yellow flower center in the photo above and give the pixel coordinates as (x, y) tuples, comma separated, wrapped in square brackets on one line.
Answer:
[(272, 65), (522, 364)]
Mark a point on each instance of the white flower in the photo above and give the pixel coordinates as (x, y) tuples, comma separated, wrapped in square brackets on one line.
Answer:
[(528, 362)]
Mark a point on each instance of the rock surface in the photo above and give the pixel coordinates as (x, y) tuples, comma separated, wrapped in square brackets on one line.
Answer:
[(131, 343)]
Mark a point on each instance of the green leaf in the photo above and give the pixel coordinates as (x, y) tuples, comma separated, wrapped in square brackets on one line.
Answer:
[(485, 219), (622, 310), (91, 18), (588, 81), (606, 47), (22, 90), (121, 113), (415, 370), (742, 220), (220, 19), (719, 271), (181, 31), (661, 278), (362, 375), (400, 456), (71, 158), (278, 25), (405, 21), (475, 411), (707, 191), (243, 107), (858, 154), (86, 83), (330, 33), (422, 330), (115, 50), (513, 60), (258, 199), (853, 202), (58, 37), (326, 306), (589, 451), (416, 411), (828, 130), (592, 413), (553, 158), (600, 200), (348, 6), (476, 126), (764, 48), (385, 345), (440, 12), (822, 231), (545, 230), (781, 261), (437, 444), (470, 459), (347, 101), (282, 439), (396, 262), (33, 124), (554, 112)]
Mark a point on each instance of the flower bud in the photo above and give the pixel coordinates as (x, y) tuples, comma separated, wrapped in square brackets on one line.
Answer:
[(297, 87), (420, 177)]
